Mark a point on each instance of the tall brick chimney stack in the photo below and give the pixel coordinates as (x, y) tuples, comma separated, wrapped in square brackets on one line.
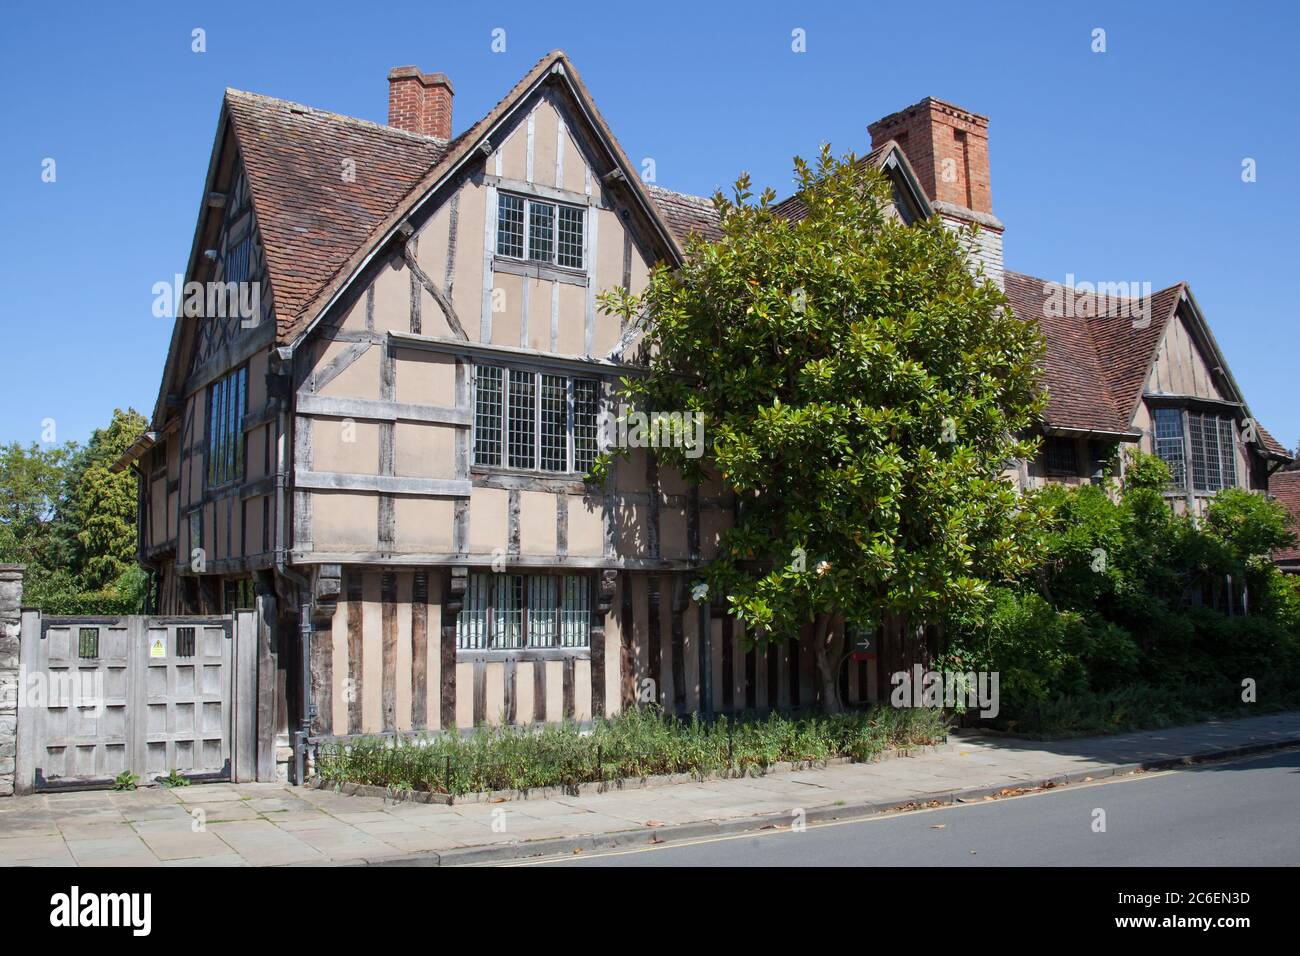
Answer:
[(948, 148), (420, 102)]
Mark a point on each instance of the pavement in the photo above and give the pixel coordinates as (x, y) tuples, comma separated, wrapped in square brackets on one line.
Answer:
[(271, 824)]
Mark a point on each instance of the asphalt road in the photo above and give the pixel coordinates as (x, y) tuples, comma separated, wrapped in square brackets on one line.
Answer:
[(1240, 813)]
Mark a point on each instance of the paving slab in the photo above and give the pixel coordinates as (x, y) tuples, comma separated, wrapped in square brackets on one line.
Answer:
[(273, 824)]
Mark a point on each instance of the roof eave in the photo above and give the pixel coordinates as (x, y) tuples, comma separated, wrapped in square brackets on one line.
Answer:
[(214, 158), (134, 452), (1102, 433)]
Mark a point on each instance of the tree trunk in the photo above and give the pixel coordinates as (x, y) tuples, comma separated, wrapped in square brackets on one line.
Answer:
[(823, 638)]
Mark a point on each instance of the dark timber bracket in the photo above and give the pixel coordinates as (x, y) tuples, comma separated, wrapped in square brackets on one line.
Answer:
[(406, 231)]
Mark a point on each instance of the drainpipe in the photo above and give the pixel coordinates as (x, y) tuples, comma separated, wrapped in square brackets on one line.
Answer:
[(705, 630), (299, 736)]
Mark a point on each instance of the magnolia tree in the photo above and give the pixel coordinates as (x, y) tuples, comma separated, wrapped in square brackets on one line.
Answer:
[(862, 393)]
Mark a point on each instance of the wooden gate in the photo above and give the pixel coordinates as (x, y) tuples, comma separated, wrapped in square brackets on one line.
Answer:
[(102, 695)]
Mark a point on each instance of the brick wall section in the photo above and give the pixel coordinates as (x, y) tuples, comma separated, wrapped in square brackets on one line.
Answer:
[(947, 146), (11, 598), (419, 102)]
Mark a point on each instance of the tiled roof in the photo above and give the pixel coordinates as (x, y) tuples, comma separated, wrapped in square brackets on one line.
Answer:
[(1127, 347), (1285, 487), (686, 214), (311, 219), (1273, 445), (1079, 393), (554, 62), (317, 228), (793, 208)]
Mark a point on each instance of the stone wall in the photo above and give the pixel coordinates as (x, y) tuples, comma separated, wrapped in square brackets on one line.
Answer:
[(11, 598)]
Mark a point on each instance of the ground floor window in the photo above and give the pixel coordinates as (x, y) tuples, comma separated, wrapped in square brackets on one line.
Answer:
[(503, 611), (236, 594), (1061, 455)]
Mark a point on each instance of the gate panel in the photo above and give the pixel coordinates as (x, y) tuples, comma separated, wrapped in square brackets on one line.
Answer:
[(187, 684), (81, 690), (100, 695)]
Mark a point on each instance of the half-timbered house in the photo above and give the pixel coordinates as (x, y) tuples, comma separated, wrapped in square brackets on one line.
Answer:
[(389, 456)]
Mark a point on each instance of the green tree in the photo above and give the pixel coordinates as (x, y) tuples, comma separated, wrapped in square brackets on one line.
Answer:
[(101, 508), (32, 490), (71, 521), (861, 393)]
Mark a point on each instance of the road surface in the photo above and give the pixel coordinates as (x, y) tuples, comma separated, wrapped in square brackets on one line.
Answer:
[(1233, 813)]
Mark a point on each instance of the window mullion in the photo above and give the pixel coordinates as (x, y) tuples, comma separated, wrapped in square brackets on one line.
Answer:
[(528, 231), (558, 631), (537, 418), (505, 412), (568, 425), (1189, 466), (523, 612)]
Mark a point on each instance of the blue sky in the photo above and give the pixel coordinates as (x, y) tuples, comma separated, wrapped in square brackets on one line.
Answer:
[(1122, 165)]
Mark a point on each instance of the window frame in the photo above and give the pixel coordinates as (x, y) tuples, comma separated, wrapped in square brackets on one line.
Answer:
[(224, 447), (501, 406), (526, 237), (237, 263), (1202, 458), (570, 604), (1052, 462)]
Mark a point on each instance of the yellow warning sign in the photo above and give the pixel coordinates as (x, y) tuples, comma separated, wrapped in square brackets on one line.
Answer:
[(158, 647)]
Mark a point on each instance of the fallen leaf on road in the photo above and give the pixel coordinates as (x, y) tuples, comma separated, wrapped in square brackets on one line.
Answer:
[(938, 826), (653, 823)]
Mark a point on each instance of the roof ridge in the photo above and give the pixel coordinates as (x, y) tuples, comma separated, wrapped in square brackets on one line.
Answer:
[(342, 117), (1177, 285), (675, 192)]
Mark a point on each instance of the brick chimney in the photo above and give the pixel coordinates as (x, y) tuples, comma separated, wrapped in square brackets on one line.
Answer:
[(948, 148), (420, 102)]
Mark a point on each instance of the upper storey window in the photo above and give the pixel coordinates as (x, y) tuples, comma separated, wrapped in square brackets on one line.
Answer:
[(1213, 447), (540, 231), (227, 400)]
